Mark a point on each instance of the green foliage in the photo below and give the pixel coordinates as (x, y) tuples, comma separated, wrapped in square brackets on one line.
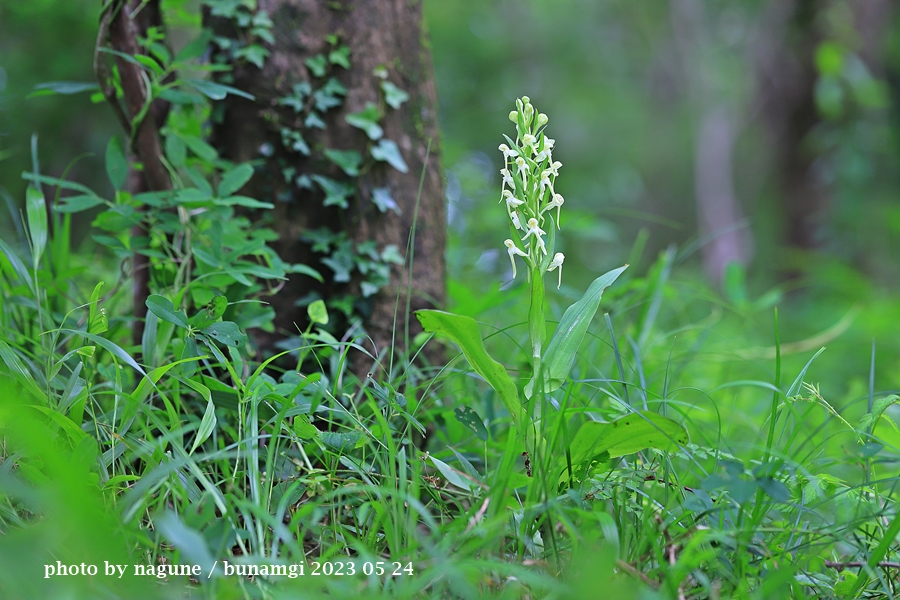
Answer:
[(183, 450)]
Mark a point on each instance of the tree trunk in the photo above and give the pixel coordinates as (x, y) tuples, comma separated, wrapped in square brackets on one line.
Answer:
[(386, 44), (787, 90)]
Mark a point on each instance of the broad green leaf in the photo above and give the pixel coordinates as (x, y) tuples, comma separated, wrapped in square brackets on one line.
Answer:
[(318, 312), (457, 478), (626, 435), (18, 266), (176, 151), (36, 210), (386, 150), (72, 430), (465, 334), (189, 542), (304, 429), (472, 420), (207, 425), (20, 371), (216, 91), (200, 148), (211, 313), (189, 351), (116, 163), (163, 308), (225, 332), (571, 330), (367, 120), (341, 441), (63, 87), (243, 201), (234, 180), (68, 185), (73, 204)]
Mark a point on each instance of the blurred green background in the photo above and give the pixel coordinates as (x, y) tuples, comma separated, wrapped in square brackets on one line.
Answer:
[(757, 132)]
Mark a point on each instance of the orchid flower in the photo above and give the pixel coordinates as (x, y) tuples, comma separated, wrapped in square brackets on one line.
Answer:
[(557, 262), (538, 233), (514, 251), (556, 203)]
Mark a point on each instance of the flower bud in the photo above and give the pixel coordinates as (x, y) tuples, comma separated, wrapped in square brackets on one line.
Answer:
[(542, 119), (513, 116)]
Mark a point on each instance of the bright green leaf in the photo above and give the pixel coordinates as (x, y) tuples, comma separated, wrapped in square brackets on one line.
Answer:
[(626, 435), (36, 210), (234, 180), (225, 332), (318, 312), (465, 334), (570, 332), (116, 163), (163, 308), (207, 425)]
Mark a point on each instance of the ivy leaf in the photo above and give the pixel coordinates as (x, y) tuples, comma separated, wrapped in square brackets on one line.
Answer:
[(336, 192), (367, 120), (391, 254), (341, 268), (347, 160), (254, 54), (314, 120), (340, 56), (368, 289), (384, 201), (387, 151), (317, 64), (327, 96), (393, 95)]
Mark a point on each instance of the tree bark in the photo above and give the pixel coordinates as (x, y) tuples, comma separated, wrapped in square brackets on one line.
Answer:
[(384, 34), (121, 31)]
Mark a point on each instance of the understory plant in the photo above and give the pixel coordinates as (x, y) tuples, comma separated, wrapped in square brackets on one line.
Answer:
[(556, 456)]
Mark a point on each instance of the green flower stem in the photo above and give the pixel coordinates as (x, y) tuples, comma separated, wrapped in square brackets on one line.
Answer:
[(537, 331)]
